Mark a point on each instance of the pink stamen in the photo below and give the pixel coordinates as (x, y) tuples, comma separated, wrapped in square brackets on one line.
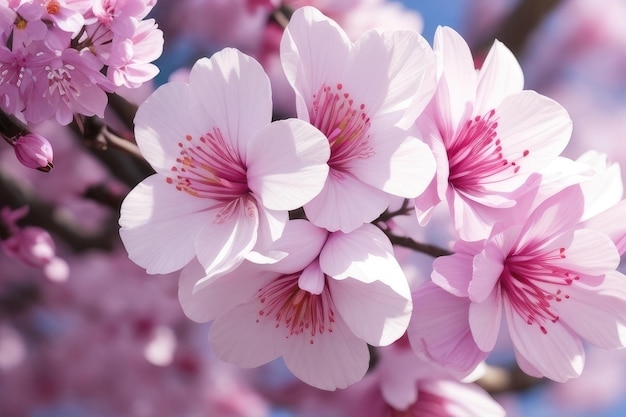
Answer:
[(532, 284), (208, 167), (476, 154), (297, 310), (345, 125)]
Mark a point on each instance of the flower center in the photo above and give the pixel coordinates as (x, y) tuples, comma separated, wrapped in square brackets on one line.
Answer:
[(207, 167), (532, 283), (296, 310), (345, 124), (53, 7), (475, 154)]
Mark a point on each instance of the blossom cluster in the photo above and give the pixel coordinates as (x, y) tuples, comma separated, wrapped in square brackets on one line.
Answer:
[(61, 57), (283, 229)]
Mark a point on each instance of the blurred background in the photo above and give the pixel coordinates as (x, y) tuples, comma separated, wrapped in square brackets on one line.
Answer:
[(110, 341)]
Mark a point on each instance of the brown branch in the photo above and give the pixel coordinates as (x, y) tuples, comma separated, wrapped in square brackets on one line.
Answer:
[(47, 216), (407, 242), (499, 380), (516, 29)]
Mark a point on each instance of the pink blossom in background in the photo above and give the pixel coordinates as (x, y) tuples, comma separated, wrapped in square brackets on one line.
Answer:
[(362, 113), (226, 176), (488, 135), (318, 308)]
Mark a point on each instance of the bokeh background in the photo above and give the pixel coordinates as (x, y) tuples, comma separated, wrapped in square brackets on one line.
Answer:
[(111, 341)]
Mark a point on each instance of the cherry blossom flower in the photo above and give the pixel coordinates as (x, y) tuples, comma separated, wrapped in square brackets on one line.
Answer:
[(318, 308), (363, 114), (488, 135), (226, 176), (552, 280)]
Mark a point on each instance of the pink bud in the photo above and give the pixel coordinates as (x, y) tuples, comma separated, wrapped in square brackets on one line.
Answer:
[(31, 245), (34, 151)]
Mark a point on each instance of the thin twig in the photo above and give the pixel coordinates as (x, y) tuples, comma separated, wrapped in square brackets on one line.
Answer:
[(407, 242)]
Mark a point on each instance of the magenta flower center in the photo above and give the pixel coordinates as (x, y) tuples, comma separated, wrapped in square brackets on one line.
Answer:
[(476, 156), (345, 124), (298, 311), (531, 284)]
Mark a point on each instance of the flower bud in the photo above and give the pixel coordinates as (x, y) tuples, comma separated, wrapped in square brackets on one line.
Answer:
[(34, 151)]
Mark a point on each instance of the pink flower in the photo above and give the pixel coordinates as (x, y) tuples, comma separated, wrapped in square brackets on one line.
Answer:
[(65, 84), (130, 58), (318, 308), (552, 280), (362, 96), (34, 151), (414, 387), (226, 176), (488, 135)]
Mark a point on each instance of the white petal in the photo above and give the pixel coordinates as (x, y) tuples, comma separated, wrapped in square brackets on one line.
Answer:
[(240, 337), (222, 245), (220, 294), (162, 121), (345, 204), (313, 51), (558, 354), (159, 225), (500, 76), (373, 311), (401, 165), (366, 255), (335, 360), (233, 93), (287, 164)]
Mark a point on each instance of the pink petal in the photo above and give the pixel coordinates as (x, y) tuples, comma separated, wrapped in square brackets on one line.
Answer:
[(335, 360), (239, 337), (271, 227), (312, 279), (401, 165), (439, 329), (453, 273), (558, 354), (300, 251), (531, 122), (223, 244), (586, 251), (461, 400), (597, 313), (287, 164), (487, 269), (411, 75), (484, 320), (313, 51), (373, 311), (555, 215), (162, 121), (159, 225), (611, 223), (345, 203), (500, 76), (459, 72), (233, 94)]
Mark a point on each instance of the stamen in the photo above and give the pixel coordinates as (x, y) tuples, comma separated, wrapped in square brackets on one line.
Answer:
[(532, 284), (345, 125), (475, 154), (207, 167), (297, 310)]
